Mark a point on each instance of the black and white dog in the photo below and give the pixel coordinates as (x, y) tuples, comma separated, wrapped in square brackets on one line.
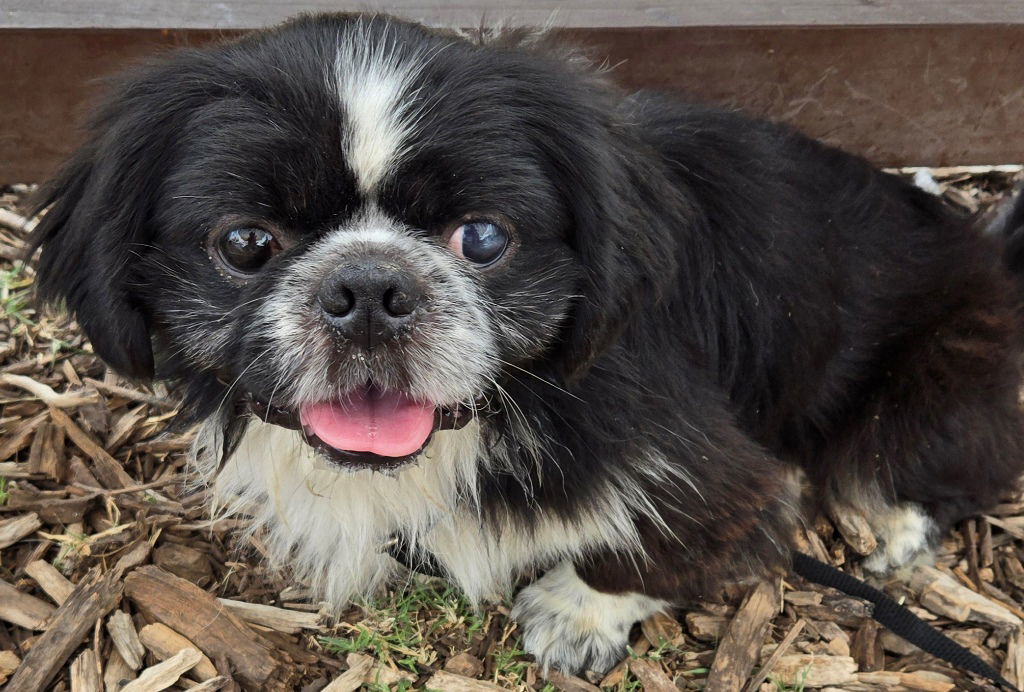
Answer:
[(465, 302)]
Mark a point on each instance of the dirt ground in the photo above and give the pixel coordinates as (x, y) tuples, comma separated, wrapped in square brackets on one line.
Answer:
[(111, 571)]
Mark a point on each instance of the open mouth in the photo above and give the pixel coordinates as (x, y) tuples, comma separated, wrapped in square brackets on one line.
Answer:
[(370, 428)]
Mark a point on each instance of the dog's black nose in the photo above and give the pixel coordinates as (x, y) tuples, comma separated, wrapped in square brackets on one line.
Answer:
[(368, 303)]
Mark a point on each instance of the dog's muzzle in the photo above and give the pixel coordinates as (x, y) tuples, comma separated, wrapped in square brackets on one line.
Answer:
[(373, 359)]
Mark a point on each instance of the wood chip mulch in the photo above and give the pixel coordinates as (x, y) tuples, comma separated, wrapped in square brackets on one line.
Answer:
[(113, 578)]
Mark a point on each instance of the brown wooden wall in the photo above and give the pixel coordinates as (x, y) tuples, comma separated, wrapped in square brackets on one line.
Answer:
[(939, 95)]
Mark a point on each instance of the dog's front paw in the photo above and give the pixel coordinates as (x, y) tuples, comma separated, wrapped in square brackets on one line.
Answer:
[(569, 626)]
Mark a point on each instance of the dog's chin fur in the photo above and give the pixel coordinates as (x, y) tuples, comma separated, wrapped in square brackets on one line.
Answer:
[(694, 308), (333, 527)]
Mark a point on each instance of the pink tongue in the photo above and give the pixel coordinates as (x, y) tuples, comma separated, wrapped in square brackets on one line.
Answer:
[(389, 424)]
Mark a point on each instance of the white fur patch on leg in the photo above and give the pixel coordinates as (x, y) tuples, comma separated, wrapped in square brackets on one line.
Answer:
[(571, 627), (905, 534)]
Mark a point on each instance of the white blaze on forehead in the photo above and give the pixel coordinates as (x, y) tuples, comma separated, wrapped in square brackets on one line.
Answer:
[(374, 85)]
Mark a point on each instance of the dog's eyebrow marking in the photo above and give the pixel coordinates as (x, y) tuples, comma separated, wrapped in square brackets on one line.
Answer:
[(373, 78)]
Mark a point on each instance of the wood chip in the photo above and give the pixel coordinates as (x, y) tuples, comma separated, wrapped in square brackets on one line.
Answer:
[(59, 511), (70, 374), (16, 222), (93, 598), (651, 676), (808, 541), (50, 580), (943, 595), (839, 647), (378, 673), (164, 445), (164, 674), (803, 598), (126, 639), (921, 680), (116, 674), (280, 619), (854, 528), (884, 678), (449, 682), (1013, 667), (19, 438), (1010, 525), (13, 470), (165, 642), (201, 618), (617, 674), (843, 610), (895, 644), (465, 664), (22, 609), (927, 681), (107, 468), (738, 651), (13, 530), (570, 683), (211, 684), (85, 673), (47, 456), (133, 557), (808, 670), (78, 472), (124, 427), (351, 679), (46, 394), (183, 561), (661, 628), (866, 647), (705, 626), (131, 394), (9, 663), (780, 650)]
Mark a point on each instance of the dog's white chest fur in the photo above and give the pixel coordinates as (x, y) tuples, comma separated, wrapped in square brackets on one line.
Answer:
[(330, 527)]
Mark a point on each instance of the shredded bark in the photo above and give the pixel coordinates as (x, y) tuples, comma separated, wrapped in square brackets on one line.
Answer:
[(112, 575)]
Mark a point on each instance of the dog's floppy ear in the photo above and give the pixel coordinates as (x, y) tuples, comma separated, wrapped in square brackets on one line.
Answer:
[(99, 208), (626, 218), (626, 225)]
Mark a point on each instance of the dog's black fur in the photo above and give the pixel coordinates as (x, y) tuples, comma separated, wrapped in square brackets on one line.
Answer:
[(741, 300)]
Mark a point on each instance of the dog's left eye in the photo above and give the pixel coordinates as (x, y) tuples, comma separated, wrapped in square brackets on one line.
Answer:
[(481, 242), (245, 250)]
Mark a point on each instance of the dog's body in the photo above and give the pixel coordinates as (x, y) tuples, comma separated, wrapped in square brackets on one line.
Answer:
[(603, 334)]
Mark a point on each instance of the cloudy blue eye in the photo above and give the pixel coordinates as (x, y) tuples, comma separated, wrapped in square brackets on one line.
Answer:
[(480, 242)]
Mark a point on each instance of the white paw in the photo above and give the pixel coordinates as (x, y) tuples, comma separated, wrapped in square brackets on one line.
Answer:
[(905, 536), (569, 626)]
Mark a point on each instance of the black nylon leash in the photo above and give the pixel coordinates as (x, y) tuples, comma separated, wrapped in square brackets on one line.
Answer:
[(898, 619)]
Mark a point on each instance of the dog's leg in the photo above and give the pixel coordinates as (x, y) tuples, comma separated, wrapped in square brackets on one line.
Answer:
[(936, 469), (962, 460), (578, 615), (941, 438), (569, 625)]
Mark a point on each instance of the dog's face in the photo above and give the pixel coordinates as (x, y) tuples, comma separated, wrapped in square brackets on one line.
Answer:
[(351, 225)]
